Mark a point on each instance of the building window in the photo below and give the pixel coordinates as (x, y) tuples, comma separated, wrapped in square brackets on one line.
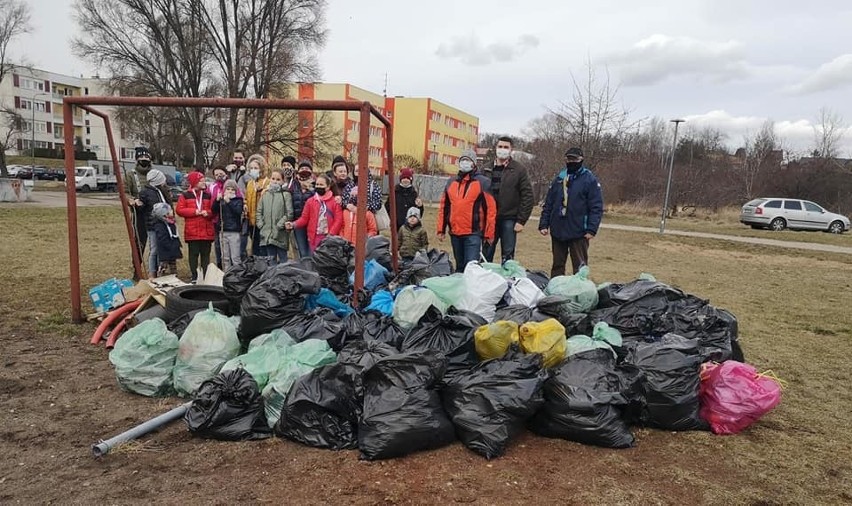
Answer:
[(88, 130), (88, 142), (32, 84)]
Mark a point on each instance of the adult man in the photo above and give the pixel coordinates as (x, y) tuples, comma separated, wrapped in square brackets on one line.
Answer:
[(301, 188), (572, 213), (239, 175), (134, 181), (511, 187), (406, 197)]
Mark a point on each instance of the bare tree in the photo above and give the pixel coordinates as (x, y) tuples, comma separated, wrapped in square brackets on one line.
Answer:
[(759, 151), (14, 22), (828, 133)]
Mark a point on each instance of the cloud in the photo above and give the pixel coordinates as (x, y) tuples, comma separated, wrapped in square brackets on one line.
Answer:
[(835, 74), (471, 51), (659, 57)]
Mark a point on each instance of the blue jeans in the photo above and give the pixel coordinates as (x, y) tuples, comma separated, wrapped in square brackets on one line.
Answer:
[(466, 249), (505, 233), (153, 261), (302, 245), (276, 253)]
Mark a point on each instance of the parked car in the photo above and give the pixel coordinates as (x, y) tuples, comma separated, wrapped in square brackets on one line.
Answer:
[(56, 174), (13, 170), (42, 173), (795, 214)]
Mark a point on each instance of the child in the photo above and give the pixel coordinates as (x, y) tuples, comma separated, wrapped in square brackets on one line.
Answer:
[(412, 236), (322, 215), (168, 242), (350, 219), (195, 206), (228, 207), (274, 211)]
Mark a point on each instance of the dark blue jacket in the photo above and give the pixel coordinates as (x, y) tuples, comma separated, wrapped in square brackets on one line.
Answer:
[(232, 214), (168, 243), (299, 197), (585, 206)]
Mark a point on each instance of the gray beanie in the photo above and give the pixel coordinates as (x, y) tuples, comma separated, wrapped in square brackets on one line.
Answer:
[(156, 178), (413, 211), (469, 154), (160, 210)]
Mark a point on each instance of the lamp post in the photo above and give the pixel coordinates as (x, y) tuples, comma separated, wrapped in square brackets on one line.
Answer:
[(669, 181), (32, 132)]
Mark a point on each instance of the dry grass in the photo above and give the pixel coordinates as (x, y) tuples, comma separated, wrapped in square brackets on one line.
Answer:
[(794, 314)]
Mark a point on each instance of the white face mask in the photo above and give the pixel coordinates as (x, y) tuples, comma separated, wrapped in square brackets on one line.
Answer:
[(465, 166), (254, 173), (503, 153)]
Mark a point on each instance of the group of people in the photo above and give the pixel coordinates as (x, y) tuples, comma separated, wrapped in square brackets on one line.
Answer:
[(483, 207), (249, 208)]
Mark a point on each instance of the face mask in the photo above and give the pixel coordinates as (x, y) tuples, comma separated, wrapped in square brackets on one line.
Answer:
[(573, 167), (254, 173), (145, 163), (502, 153), (465, 166), (238, 163), (274, 187), (321, 191), (220, 177)]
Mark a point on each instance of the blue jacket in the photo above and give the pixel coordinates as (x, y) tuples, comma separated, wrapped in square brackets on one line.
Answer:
[(231, 212), (585, 206), (168, 243), (299, 197)]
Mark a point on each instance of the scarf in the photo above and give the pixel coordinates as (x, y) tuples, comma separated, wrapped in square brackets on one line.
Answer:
[(322, 222)]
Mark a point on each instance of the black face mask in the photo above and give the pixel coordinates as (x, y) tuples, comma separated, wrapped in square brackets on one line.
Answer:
[(573, 167), (144, 163), (321, 191)]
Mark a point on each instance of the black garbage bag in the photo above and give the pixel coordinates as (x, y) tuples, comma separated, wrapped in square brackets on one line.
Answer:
[(540, 278), (425, 265), (670, 382), (694, 318), (519, 314), (562, 308), (228, 407), (373, 326), (323, 407), (617, 294), (452, 335), (239, 278), (379, 249), (636, 318), (402, 408), (321, 323), (178, 326), (491, 403), (278, 295), (333, 257), (584, 401)]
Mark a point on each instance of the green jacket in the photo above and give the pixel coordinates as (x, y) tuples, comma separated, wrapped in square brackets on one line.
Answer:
[(135, 180), (274, 210), (412, 240)]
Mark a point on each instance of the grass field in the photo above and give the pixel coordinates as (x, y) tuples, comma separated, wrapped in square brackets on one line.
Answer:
[(58, 395)]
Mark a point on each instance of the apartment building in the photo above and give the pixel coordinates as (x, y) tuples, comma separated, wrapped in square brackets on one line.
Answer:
[(36, 95)]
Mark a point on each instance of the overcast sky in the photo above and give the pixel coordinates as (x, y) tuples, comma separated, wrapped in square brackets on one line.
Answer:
[(725, 63)]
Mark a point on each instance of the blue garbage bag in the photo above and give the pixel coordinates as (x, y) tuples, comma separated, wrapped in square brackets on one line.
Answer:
[(375, 275), (382, 302), (326, 298)]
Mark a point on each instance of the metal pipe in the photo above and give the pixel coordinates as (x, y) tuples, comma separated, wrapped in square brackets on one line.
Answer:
[(101, 448), (219, 102), (392, 199), (119, 179), (669, 181), (363, 190), (71, 205)]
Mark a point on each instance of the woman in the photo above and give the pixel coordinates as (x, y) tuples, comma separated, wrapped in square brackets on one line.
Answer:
[(258, 173), (322, 215), (155, 192)]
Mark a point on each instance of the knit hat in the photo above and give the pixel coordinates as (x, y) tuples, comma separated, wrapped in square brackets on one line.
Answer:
[(142, 151), (289, 159), (338, 160), (231, 185), (160, 210), (469, 154), (406, 174), (413, 212), (156, 178), (305, 166), (193, 178)]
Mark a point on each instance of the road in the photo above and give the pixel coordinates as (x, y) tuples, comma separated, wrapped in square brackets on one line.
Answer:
[(57, 199)]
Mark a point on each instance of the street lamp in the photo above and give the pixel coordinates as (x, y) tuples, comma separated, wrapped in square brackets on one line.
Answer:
[(669, 181), (32, 131)]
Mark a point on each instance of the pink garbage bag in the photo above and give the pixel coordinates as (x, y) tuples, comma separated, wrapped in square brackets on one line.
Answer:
[(733, 396)]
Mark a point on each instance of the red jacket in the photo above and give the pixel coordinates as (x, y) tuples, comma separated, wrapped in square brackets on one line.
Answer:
[(310, 218), (467, 207), (196, 227), (350, 225)]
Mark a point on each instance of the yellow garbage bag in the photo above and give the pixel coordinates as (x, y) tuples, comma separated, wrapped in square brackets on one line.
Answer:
[(493, 340), (547, 338)]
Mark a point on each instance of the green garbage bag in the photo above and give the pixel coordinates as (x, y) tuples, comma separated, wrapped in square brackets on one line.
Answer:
[(603, 337), (450, 289), (510, 269), (578, 288), (275, 393), (412, 303), (144, 358), (209, 341), (278, 338), (261, 362), (312, 353)]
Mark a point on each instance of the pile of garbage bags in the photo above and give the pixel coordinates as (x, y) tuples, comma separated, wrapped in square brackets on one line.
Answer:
[(433, 356)]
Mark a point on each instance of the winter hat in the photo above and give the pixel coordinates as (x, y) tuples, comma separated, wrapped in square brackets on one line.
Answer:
[(231, 185), (305, 167), (161, 209), (574, 153), (289, 159), (413, 212), (193, 178), (338, 160), (406, 174), (142, 151), (469, 154), (156, 178)]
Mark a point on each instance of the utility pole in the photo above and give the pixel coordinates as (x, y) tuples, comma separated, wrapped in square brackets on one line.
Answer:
[(669, 181)]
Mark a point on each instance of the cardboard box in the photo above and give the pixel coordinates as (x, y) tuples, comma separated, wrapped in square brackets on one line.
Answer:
[(109, 294)]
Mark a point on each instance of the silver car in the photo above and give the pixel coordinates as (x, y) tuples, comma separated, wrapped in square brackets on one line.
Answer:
[(795, 214)]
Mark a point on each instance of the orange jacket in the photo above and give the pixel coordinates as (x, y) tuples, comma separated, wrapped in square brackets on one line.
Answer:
[(350, 225), (467, 207)]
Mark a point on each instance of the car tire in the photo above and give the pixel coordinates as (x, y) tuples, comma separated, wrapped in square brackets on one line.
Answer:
[(836, 227), (85, 189), (778, 224), (184, 299)]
